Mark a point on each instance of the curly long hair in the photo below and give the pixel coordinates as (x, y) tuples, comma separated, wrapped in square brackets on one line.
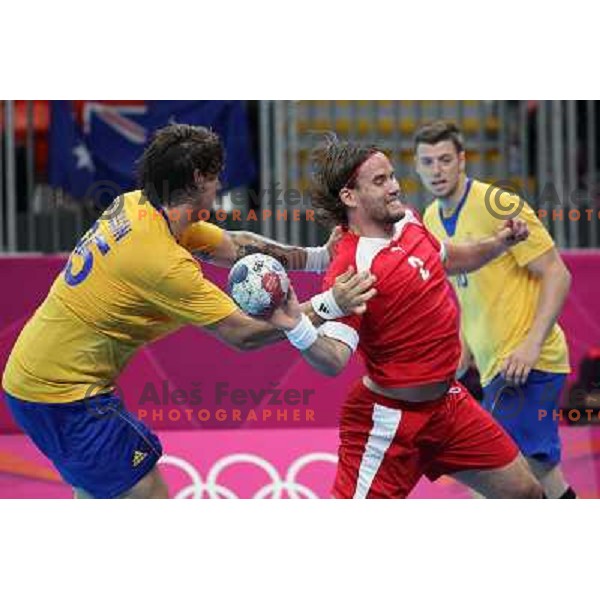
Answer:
[(335, 166), (166, 168)]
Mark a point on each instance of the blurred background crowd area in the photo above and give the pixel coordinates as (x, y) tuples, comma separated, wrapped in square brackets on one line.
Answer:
[(61, 162)]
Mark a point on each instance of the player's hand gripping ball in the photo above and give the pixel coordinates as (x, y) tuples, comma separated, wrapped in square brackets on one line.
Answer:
[(259, 284)]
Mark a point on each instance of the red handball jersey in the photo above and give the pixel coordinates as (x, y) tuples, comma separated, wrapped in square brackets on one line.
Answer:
[(409, 335)]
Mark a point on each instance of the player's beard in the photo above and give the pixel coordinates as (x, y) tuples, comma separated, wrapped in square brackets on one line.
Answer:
[(385, 215), (393, 215)]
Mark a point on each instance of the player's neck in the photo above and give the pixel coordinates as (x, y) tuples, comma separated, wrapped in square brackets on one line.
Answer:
[(450, 202), (370, 229), (178, 221)]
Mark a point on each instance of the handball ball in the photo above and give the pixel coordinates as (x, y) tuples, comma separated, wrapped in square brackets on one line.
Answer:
[(259, 284)]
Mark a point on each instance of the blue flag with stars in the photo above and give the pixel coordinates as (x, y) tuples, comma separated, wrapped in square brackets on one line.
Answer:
[(114, 137), (70, 163)]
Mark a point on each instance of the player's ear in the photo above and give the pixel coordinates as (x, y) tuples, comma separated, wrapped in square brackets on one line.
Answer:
[(462, 161), (347, 197), (198, 179)]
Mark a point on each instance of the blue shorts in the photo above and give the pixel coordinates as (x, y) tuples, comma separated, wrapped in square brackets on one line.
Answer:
[(520, 410), (95, 444)]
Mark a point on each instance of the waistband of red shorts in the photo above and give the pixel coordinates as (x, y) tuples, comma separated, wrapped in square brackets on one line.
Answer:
[(359, 388)]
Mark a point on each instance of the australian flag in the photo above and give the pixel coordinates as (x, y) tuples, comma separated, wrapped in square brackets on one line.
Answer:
[(112, 138), (70, 164)]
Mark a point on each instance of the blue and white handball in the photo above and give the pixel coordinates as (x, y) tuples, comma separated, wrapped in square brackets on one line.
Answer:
[(259, 284)]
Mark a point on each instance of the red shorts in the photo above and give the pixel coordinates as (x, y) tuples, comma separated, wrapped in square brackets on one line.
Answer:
[(387, 445)]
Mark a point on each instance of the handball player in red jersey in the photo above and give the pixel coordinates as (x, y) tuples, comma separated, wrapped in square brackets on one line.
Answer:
[(408, 416)]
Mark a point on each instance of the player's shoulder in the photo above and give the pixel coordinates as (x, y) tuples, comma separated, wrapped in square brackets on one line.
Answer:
[(133, 198), (344, 255), (345, 251), (150, 256), (486, 193), (143, 215), (411, 216), (493, 201), (130, 206), (479, 187), (202, 236)]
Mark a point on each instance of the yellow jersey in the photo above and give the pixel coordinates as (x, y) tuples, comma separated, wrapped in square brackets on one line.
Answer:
[(498, 302), (128, 282)]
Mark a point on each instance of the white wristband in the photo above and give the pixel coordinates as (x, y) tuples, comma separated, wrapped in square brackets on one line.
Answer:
[(326, 307), (304, 335), (317, 259)]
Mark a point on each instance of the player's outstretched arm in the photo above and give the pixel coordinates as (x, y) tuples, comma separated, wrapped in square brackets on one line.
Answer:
[(237, 244), (470, 256), (244, 333)]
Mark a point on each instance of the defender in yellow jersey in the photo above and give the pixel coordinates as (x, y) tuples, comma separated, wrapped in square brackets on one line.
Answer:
[(510, 307), (131, 280)]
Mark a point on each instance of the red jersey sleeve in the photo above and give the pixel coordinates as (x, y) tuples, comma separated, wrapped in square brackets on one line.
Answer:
[(345, 329)]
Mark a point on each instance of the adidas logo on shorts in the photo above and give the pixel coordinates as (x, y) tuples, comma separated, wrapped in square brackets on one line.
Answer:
[(138, 457)]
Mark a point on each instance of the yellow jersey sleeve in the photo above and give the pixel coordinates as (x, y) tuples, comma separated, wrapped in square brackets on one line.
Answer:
[(185, 295), (202, 237), (538, 242)]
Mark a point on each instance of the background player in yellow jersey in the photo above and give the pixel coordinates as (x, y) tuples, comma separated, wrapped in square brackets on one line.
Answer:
[(509, 308), (130, 280)]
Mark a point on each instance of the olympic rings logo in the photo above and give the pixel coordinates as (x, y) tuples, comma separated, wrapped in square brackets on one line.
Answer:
[(210, 488)]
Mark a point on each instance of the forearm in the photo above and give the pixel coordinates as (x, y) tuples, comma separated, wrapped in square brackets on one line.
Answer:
[(309, 311), (555, 284), (470, 256), (324, 356), (292, 258), (259, 334)]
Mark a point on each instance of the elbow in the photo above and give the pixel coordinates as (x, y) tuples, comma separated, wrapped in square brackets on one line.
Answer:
[(559, 273), (330, 371), (332, 368)]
